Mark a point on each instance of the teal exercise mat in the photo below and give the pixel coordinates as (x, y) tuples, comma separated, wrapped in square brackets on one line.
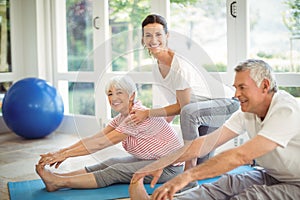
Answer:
[(35, 190)]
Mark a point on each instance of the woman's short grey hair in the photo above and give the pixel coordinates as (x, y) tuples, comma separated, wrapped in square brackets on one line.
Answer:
[(259, 70), (121, 82)]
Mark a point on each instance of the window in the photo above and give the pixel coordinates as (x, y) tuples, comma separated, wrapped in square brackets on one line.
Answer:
[(202, 27), (79, 34), (275, 38), (87, 62), (203, 24), (125, 19), (282, 50), (295, 91), (81, 26), (81, 98), (5, 50), (79, 94), (79, 47)]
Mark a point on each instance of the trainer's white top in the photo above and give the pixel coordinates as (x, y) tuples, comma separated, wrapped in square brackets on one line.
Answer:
[(184, 75), (280, 125)]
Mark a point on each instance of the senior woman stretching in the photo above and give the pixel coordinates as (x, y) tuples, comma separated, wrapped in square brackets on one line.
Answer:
[(145, 143)]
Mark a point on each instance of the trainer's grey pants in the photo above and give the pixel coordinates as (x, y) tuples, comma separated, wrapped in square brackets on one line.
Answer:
[(211, 113)]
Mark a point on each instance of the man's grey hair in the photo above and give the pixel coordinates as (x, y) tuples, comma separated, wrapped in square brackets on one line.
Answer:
[(259, 70), (121, 82)]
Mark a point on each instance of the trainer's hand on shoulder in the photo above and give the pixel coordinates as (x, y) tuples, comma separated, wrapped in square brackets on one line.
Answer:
[(138, 116)]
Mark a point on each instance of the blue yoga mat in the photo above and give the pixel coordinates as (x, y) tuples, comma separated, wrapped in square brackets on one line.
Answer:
[(35, 190)]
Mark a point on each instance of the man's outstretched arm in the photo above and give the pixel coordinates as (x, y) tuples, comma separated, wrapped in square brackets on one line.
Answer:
[(192, 149)]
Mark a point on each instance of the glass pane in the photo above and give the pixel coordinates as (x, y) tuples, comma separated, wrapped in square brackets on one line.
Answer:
[(144, 94), (81, 98), (203, 23), (125, 20), (79, 34), (5, 51), (295, 91), (275, 35), (4, 86)]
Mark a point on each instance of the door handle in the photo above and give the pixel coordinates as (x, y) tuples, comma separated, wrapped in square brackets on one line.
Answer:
[(233, 9), (96, 22)]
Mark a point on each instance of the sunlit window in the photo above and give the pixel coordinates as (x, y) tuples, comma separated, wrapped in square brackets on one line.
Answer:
[(5, 47), (81, 98), (204, 24), (79, 34), (274, 37), (275, 33), (125, 19), (79, 48)]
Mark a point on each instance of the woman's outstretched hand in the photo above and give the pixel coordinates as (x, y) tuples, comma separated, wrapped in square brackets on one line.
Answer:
[(51, 159)]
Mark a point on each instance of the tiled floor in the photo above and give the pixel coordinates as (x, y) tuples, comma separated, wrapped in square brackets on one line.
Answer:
[(18, 157)]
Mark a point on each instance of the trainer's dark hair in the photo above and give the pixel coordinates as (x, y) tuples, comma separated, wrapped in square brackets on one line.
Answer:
[(155, 18)]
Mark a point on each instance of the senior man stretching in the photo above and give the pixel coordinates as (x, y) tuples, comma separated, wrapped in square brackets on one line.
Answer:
[(271, 119)]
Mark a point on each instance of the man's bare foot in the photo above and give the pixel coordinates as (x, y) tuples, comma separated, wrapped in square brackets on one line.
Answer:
[(137, 191), (47, 177)]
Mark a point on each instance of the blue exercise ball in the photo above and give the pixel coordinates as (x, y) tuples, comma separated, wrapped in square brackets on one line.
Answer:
[(32, 108)]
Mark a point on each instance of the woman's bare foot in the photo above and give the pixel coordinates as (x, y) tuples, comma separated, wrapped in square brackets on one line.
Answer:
[(137, 191), (48, 178)]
